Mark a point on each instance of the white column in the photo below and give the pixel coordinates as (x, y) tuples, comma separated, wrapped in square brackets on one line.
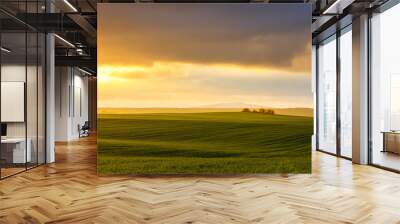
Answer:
[(360, 90), (50, 98)]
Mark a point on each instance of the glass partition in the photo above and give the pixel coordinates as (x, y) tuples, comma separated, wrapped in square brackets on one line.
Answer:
[(327, 95), (14, 153), (22, 98)]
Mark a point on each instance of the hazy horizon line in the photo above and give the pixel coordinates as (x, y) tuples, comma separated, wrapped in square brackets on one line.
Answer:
[(203, 107)]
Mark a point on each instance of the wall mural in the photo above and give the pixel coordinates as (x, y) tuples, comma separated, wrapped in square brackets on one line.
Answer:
[(204, 89)]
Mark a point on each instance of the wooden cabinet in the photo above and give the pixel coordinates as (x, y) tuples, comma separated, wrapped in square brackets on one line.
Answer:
[(391, 142)]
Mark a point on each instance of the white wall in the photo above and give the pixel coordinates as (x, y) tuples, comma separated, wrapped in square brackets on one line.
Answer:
[(12, 73), (80, 110), (33, 127), (62, 83), (71, 102)]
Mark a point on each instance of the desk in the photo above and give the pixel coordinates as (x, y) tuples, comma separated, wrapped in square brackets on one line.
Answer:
[(15, 148), (391, 141)]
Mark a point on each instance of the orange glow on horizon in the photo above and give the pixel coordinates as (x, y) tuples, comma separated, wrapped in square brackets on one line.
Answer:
[(162, 62)]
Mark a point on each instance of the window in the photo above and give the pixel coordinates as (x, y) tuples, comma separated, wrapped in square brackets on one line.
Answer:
[(327, 95), (385, 89), (394, 102), (346, 92)]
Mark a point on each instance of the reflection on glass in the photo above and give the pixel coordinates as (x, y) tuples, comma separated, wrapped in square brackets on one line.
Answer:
[(14, 150), (327, 96), (394, 102)]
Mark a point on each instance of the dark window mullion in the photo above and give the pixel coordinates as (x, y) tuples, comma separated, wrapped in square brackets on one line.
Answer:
[(37, 91), (369, 90), (317, 96), (338, 76), (26, 87)]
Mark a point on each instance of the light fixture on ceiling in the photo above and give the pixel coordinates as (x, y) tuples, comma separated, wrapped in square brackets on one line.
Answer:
[(84, 71), (70, 5), (5, 50), (64, 40), (79, 51), (337, 7), (333, 6)]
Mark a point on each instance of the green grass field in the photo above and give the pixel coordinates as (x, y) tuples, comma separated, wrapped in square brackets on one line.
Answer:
[(203, 143)]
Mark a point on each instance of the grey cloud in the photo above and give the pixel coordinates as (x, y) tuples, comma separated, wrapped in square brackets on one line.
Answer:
[(249, 34)]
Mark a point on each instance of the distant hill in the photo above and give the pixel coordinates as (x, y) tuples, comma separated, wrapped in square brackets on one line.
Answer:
[(231, 105), (297, 111), (306, 112)]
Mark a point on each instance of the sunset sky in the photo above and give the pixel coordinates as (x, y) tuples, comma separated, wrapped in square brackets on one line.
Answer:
[(196, 55)]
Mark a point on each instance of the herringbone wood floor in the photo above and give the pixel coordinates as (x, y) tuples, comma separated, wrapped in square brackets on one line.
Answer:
[(69, 191)]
